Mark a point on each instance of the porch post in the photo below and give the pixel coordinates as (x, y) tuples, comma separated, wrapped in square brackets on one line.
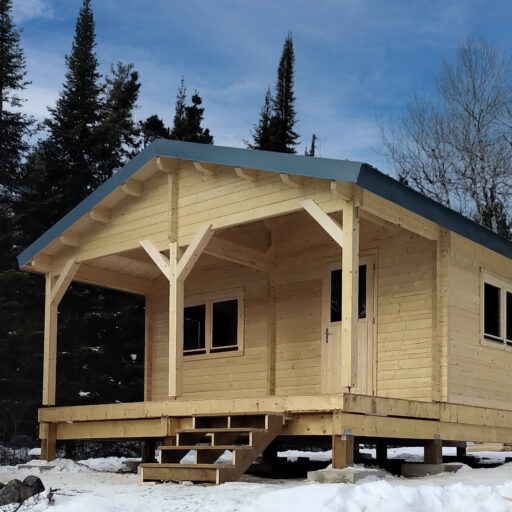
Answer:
[(50, 343), (176, 303), (349, 294)]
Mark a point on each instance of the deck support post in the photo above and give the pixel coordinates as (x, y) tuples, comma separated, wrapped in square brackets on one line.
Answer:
[(49, 441), (349, 294), (148, 451), (342, 451), (381, 449), (461, 451), (433, 452)]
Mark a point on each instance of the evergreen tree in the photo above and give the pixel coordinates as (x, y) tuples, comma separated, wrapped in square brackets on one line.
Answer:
[(179, 127), (261, 132), (277, 133), (18, 357), (284, 138), (118, 135), (312, 148), (188, 119), (90, 133), (14, 126), (153, 128)]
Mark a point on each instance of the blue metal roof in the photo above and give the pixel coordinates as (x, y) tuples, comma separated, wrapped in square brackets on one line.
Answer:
[(362, 174)]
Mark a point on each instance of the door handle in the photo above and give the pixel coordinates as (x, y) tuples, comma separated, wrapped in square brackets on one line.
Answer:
[(327, 334)]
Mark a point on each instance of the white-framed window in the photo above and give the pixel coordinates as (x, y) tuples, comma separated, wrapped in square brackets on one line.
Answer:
[(496, 299), (213, 324)]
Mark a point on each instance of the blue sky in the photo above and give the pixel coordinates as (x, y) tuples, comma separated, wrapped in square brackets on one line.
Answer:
[(356, 60)]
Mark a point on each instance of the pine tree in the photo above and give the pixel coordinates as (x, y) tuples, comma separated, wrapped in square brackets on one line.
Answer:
[(188, 119), (153, 128), (283, 137), (19, 380), (14, 126), (261, 131), (275, 132), (118, 134), (91, 133)]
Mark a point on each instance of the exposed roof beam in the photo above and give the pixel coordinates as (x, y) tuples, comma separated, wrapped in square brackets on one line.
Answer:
[(70, 240), (132, 188), (246, 256), (100, 214), (247, 174), (166, 165), (292, 180), (343, 190), (333, 229), (205, 169)]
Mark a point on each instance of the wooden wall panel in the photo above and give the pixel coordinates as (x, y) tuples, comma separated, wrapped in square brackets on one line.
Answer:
[(479, 373)]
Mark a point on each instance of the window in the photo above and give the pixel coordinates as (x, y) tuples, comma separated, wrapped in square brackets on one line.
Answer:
[(336, 294), (496, 309), (213, 324)]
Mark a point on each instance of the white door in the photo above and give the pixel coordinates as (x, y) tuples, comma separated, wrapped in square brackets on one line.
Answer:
[(331, 329)]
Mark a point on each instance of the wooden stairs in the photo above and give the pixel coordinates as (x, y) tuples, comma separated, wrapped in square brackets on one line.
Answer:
[(245, 436)]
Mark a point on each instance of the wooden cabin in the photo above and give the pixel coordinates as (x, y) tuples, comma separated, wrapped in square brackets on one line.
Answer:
[(285, 296)]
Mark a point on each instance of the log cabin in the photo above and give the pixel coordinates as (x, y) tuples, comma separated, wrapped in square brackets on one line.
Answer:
[(285, 296)]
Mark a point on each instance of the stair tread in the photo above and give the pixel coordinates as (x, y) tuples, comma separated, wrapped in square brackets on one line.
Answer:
[(212, 430), (185, 466), (206, 447)]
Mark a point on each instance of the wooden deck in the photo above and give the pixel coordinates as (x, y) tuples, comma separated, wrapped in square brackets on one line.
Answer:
[(336, 415)]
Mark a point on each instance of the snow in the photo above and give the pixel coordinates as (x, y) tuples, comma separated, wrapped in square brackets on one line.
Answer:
[(92, 484)]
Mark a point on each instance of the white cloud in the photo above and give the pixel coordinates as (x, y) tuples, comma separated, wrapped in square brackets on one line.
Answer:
[(26, 10)]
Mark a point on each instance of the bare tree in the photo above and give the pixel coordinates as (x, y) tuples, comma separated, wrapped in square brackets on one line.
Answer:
[(455, 145)]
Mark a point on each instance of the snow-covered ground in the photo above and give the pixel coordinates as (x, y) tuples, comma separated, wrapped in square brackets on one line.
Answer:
[(92, 486)]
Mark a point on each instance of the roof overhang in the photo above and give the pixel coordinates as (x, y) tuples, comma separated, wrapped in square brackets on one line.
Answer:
[(361, 174)]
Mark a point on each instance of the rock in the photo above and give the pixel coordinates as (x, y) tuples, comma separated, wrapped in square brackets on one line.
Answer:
[(11, 492), (34, 483), (17, 492), (2, 485), (345, 476), (421, 469)]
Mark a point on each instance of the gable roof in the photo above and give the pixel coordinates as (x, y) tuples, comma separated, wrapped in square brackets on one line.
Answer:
[(359, 173)]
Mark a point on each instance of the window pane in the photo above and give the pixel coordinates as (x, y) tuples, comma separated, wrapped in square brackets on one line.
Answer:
[(225, 324), (194, 323), (336, 296), (362, 292), (509, 316), (492, 310)]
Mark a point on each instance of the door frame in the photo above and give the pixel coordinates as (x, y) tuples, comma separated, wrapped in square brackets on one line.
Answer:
[(368, 257)]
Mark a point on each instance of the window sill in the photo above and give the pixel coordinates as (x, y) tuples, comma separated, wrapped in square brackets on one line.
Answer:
[(498, 345), (214, 355)]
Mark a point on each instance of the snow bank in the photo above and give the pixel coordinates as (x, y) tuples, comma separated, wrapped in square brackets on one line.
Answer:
[(381, 495), (109, 464)]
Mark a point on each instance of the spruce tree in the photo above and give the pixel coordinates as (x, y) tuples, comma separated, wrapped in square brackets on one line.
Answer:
[(118, 134), (188, 119), (14, 126), (261, 131), (19, 361), (275, 132), (153, 128), (90, 133), (283, 137)]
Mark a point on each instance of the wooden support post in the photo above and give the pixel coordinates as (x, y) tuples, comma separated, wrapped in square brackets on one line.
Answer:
[(342, 451), (176, 304), (148, 451), (381, 449), (49, 441), (349, 295), (433, 452), (55, 289)]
